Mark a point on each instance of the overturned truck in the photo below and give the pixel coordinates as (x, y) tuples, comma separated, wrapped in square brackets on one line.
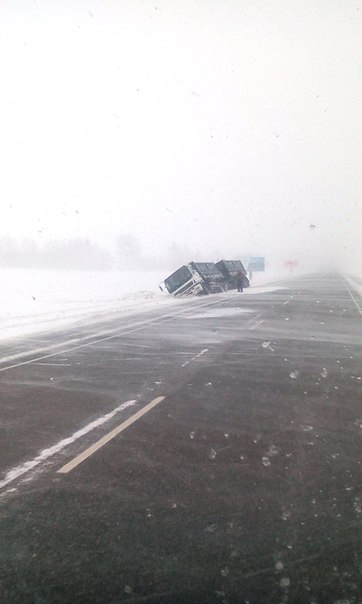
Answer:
[(202, 278)]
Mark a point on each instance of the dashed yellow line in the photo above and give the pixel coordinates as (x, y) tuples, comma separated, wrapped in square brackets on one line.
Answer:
[(103, 441)]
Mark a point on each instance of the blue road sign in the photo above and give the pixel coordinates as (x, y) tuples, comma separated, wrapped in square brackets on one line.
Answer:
[(256, 263)]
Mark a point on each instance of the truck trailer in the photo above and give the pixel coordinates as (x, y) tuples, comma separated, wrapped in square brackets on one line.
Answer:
[(230, 269)]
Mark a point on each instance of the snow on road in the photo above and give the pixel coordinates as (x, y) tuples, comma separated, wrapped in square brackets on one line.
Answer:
[(355, 283), (34, 301)]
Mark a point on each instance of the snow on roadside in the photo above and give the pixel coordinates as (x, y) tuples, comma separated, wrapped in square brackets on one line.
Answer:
[(34, 301), (355, 283)]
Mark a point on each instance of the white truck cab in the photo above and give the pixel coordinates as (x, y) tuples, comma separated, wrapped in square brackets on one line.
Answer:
[(184, 282)]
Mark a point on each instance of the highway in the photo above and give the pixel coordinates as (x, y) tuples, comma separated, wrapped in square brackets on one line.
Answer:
[(207, 452)]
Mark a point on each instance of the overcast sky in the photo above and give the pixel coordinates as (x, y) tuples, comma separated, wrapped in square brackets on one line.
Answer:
[(229, 124)]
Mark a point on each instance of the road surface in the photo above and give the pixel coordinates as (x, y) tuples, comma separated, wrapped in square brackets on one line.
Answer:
[(206, 453)]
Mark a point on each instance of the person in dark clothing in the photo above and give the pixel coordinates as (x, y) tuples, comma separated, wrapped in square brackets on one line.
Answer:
[(239, 281)]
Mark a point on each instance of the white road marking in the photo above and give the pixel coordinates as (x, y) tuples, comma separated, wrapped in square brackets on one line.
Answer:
[(100, 443), (250, 322), (286, 302), (195, 357), (202, 352), (125, 331), (255, 325), (352, 296), (53, 364), (19, 355), (44, 455)]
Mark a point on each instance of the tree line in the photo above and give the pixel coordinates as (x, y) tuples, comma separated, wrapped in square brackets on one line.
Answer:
[(84, 254), (68, 253)]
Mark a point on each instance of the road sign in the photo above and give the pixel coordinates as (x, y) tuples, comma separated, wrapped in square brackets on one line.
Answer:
[(291, 263), (256, 264)]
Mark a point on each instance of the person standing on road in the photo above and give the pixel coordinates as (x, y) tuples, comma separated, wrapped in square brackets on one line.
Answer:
[(239, 281)]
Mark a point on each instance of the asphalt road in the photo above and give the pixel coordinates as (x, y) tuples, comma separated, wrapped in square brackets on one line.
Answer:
[(207, 452)]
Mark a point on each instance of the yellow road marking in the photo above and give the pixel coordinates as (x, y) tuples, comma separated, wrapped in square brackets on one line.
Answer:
[(100, 443)]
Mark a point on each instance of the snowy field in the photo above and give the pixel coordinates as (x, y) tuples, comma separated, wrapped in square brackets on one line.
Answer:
[(34, 301), (42, 300)]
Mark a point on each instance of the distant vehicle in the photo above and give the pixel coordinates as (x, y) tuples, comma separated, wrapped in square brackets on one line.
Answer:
[(202, 278)]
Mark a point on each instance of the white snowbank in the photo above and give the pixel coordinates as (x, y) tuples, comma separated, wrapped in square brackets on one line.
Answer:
[(34, 301), (40, 300)]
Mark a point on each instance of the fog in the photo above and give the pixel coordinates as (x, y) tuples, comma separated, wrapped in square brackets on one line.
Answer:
[(181, 130)]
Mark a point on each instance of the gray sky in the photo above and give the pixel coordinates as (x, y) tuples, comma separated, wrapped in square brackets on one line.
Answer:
[(216, 124)]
